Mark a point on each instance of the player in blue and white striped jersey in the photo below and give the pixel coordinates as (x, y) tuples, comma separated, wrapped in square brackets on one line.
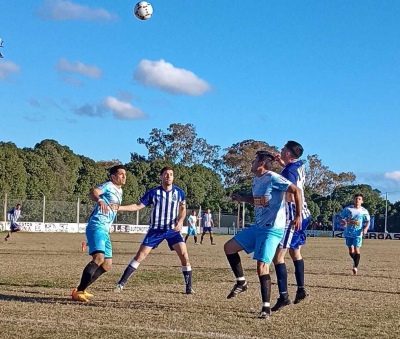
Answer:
[(294, 171), (262, 238), (108, 198), (355, 220), (166, 220), (14, 214)]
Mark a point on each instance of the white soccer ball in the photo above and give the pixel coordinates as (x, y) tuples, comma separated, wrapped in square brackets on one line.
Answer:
[(143, 10)]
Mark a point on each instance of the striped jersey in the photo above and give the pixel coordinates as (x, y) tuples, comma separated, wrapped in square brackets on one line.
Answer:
[(207, 217), (166, 205), (269, 199), (356, 219), (295, 172), (14, 216), (112, 196)]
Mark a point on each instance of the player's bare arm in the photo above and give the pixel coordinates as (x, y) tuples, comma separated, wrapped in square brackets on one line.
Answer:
[(181, 217), (298, 201), (95, 195), (131, 207), (239, 198), (365, 229)]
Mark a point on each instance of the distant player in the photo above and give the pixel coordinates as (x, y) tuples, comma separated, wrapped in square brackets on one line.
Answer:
[(355, 220), (166, 220), (294, 171), (14, 214), (192, 221), (208, 224), (262, 238), (108, 198)]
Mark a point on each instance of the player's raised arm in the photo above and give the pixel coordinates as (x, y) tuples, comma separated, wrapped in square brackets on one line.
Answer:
[(95, 195), (131, 207), (298, 201)]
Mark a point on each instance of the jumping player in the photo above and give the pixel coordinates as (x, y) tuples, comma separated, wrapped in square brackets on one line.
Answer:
[(262, 238), (294, 171)]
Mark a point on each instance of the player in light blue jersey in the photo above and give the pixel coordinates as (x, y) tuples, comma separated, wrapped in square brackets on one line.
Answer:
[(192, 221), (14, 214), (262, 238), (166, 220), (355, 220), (294, 171), (108, 198)]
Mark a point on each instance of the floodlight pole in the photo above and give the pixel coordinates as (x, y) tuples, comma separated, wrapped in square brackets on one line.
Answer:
[(386, 210)]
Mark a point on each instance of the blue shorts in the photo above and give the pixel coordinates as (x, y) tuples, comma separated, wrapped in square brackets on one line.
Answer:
[(294, 239), (99, 241), (154, 237), (191, 231), (14, 227), (356, 242), (207, 229), (262, 240)]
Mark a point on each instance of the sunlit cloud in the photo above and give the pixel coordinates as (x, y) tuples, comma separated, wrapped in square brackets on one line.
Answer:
[(60, 10), (123, 110), (79, 68), (166, 77)]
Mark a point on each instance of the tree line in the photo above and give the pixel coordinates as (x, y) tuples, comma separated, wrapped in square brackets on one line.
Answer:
[(207, 178)]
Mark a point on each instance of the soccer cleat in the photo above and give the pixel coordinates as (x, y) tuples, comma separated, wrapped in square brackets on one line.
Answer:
[(280, 303), (190, 291), (355, 270), (265, 313), (213, 243), (88, 294), (79, 296), (237, 289), (300, 295), (118, 288)]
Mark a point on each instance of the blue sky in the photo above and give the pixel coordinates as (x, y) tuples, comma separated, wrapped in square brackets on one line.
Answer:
[(93, 77)]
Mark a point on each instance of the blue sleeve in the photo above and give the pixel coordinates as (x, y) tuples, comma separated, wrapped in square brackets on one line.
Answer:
[(290, 175), (343, 214), (280, 183), (147, 198)]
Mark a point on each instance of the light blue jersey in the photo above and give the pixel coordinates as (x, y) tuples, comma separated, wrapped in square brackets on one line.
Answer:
[(112, 196), (269, 203), (356, 219), (165, 206)]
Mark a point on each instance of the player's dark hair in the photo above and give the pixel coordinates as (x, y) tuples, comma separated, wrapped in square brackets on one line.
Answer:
[(295, 148), (113, 170), (18, 205), (358, 195), (166, 168), (267, 157)]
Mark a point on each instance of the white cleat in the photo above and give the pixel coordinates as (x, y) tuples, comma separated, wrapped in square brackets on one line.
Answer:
[(118, 288), (355, 270)]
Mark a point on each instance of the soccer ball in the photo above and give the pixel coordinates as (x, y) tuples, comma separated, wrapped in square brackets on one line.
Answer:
[(143, 10)]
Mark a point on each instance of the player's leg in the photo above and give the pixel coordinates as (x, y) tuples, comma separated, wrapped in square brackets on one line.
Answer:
[(133, 265), (267, 240), (281, 278), (176, 243), (211, 237), (357, 254), (350, 243), (202, 235), (244, 240), (187, 237)]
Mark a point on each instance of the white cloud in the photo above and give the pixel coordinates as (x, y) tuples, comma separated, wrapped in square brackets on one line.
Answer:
[(123, 110), (395, 175), (6, 68), (59, 10), (78, 67), (164, 76)]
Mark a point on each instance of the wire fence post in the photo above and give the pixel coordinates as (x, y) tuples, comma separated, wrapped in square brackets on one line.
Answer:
[(77, 212), (5, 208)]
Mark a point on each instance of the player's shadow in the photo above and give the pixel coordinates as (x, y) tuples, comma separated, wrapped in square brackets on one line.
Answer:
[(42, 300), (351, 289)]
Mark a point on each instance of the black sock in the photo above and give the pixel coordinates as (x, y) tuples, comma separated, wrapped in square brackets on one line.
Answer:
[(195, 239), (212, 239), (186, 238), (356, 259), (299, 273), (265, 284), (87, 274), (187, 275), (281, 277), (127, 273), (352, 254), (100, 270), (236, 265)]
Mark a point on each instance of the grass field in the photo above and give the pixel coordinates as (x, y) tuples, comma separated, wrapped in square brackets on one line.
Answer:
[(38, 272)]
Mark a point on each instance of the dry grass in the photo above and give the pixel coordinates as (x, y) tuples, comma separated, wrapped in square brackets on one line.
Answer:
[(38, 272)]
